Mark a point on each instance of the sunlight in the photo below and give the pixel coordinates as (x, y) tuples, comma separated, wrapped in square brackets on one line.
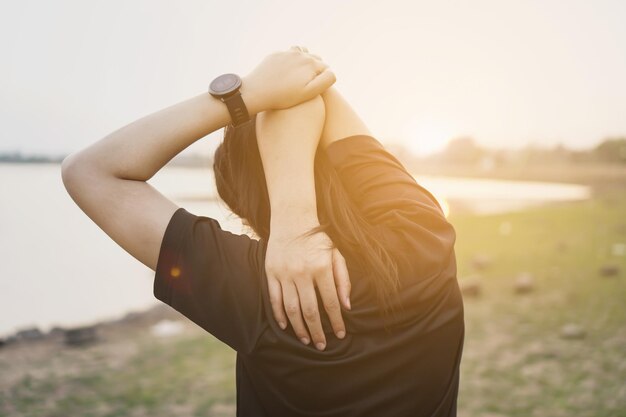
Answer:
[(426, 137)]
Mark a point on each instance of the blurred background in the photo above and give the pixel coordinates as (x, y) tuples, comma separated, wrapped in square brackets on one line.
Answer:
[(512, 113)]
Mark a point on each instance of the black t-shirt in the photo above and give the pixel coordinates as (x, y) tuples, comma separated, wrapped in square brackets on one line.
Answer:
[(217, 279)]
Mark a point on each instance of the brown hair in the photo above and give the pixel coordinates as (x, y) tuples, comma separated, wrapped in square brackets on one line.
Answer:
[(240, 182)]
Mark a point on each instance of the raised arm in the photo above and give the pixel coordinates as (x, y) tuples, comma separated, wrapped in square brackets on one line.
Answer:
[(342, 120), (107, 180), (296, 264), (287, 142)]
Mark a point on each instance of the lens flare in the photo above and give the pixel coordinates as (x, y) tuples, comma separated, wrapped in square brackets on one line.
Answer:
[(175, 272)]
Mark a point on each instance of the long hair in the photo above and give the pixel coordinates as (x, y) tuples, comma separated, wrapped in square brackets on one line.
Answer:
[(240, 182)]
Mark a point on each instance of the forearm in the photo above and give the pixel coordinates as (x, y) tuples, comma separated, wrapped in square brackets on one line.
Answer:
[(341, 119), (287, 141), (296, 267), (140, 149)]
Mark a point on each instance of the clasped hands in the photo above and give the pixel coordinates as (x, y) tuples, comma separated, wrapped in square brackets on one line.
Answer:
[(296, 264)]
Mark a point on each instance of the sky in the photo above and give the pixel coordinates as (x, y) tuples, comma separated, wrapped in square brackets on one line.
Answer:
[(506, 73)]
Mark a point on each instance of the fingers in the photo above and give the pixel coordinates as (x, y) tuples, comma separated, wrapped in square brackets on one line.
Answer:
[(299, 48), (276, 299), (342, 278), (306, 51), (319, 66), (328, 293), (310, 312), (324, 77), (292, 307), (321, 82)]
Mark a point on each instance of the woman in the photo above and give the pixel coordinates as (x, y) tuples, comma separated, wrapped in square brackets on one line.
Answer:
[(346, 220)]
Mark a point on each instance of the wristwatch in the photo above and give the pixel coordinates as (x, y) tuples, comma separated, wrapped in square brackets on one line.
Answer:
[(226, 88)]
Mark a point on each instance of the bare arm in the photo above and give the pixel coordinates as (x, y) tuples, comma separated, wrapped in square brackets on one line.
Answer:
[(341, 119), (287, 141), (295, 265), (107, 180)]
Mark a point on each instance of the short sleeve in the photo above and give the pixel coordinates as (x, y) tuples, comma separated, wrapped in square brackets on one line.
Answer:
[(212, 277), (390, 198)]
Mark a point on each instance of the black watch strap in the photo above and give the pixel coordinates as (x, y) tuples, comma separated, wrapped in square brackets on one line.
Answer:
[(237, 108)]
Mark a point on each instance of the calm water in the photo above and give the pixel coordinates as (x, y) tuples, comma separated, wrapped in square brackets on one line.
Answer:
[(59, 268)]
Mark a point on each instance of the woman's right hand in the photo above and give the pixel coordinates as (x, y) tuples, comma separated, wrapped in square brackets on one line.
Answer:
[(284, 79)]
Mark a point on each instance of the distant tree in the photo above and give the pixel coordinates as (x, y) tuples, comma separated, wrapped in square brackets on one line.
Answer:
[(533, 154), (463, 150), (585, 155), (611, 150)]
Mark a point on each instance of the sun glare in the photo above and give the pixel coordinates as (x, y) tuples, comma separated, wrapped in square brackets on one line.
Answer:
[(426, 138)]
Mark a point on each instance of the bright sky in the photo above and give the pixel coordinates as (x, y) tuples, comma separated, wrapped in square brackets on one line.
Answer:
[(507, 73)]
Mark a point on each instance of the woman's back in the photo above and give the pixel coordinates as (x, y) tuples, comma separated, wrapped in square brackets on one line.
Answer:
[(406, 365)]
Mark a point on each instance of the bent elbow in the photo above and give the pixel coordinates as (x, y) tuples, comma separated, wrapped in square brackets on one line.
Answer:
[(69, 172), (75, 172)]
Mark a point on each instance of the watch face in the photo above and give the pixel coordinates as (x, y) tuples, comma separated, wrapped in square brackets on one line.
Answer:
[(224, 84)]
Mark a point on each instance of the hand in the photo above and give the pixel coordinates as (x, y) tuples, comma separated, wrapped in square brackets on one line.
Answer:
[(295, 265), (284, 79)]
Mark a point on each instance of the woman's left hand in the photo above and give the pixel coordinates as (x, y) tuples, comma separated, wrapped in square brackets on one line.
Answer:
[(285, 79), (295, 266)]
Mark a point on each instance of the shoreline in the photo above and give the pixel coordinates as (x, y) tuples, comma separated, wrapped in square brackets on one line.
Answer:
[(135, 319)]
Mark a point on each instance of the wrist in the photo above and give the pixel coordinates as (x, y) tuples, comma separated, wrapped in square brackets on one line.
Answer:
[(286, 227), (293, 218), (252, 97)]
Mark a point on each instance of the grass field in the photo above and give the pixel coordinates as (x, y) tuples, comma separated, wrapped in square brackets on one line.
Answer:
[(515, 362)]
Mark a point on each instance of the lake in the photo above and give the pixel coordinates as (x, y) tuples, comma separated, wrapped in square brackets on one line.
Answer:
[(59, 268)]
